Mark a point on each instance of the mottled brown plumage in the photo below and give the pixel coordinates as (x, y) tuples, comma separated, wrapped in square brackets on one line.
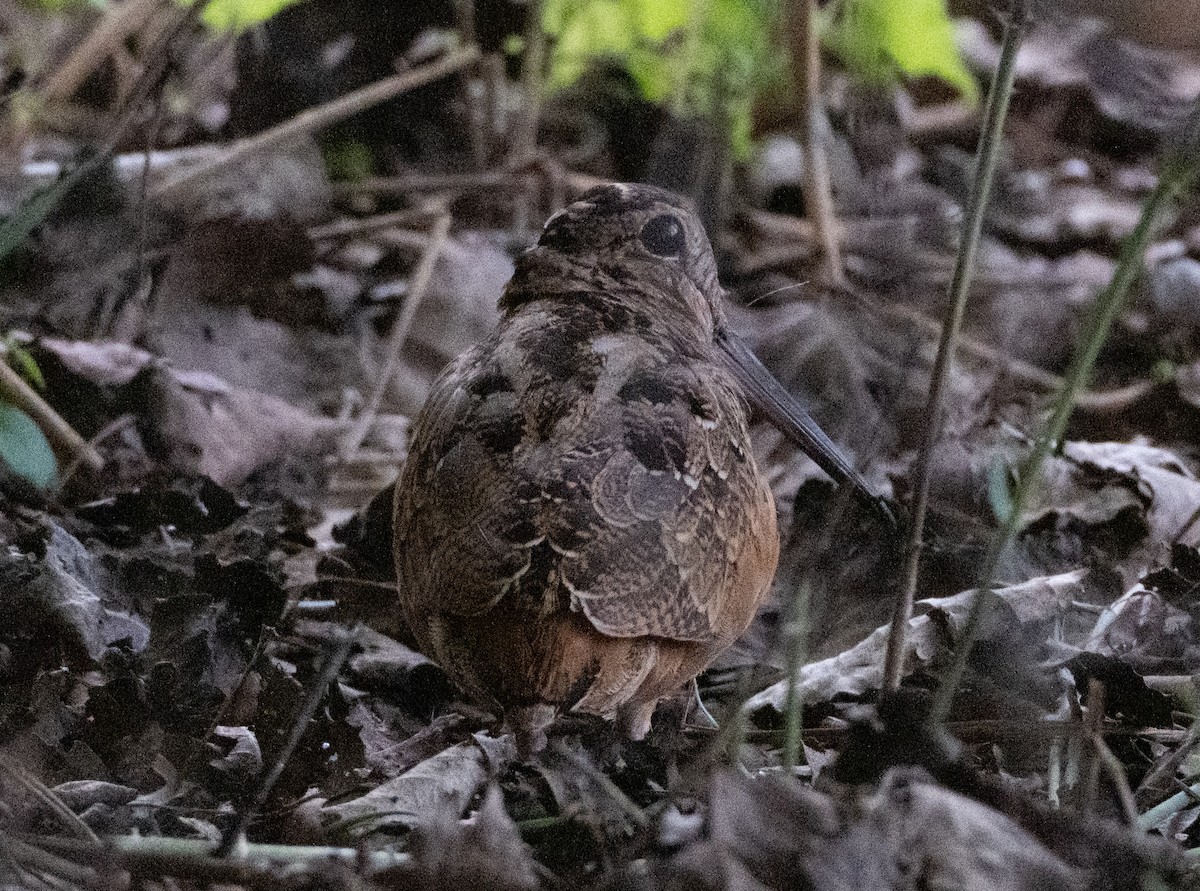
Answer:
[(580, 523)]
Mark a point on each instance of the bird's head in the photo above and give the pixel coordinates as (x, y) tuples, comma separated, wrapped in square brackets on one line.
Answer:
[(639, 254)]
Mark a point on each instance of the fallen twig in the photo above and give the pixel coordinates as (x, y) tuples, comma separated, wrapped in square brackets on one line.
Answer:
[(509, 176), (427, 182), (1095, 401), (818, 193), (1115, 771), (780, 225), (48, 798), (322, 116), (117, 21), (361, 225), (335, 658), (197, 859), (399, 334)]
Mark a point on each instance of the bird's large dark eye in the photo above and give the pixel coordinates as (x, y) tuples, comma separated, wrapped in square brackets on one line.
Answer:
[(664, 236)]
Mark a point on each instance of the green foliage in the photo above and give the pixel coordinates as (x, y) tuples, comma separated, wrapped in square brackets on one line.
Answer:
[(708, 58), (24, 447), (999, 490), (874, 38), (23, 361), (22, 444), (218, 15), (238, 15), (54, 6), (633, 32), (348, 160)]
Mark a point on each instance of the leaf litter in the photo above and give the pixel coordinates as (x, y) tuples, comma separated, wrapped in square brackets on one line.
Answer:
[(167, 619)]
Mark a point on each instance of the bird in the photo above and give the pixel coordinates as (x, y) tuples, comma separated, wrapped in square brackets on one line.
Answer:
[(580, 524)]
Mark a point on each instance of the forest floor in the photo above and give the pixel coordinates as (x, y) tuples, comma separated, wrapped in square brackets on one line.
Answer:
[(201, 644)]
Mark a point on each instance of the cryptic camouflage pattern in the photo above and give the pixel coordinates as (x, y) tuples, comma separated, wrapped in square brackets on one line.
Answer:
[(580, 523)]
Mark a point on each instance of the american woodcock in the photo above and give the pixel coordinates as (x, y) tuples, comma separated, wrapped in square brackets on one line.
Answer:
[(580, 524)]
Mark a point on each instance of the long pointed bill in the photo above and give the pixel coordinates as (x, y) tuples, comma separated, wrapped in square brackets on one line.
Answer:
[(769, 396)]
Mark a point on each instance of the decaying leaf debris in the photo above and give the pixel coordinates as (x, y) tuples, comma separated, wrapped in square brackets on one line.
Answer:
[(272, 221)]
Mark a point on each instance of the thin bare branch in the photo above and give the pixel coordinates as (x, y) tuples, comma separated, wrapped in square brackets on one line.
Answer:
[(318, 118), (399, 334)]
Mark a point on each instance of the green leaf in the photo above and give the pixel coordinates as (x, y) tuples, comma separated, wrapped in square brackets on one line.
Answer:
[(709, 58), (22, 361), (998, 489), (1164, 371), (875, 37), (24, 447), (627, 30), (513, 45), (348, 160), (238, 15), (56, 6)]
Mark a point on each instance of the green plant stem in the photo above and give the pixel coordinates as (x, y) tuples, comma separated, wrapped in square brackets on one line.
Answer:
[(539, 824), (988, 150), (1178, 173), (795, 635), (61, 435)]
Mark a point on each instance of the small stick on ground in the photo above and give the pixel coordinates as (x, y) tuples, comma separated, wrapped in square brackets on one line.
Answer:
[(48, 798), (347, 228), (194, 859), (1115, 771), (116, 23), (334, 659), (525, 138), (795, 636), (1098, 402), (464, 17), (524, 143), (1093, 721), (322, 116), (399, 334), (818, 192), (780, 226)]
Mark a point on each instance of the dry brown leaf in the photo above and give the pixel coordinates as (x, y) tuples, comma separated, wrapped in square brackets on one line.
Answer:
[(908, 833), (931, 635), (200, 423), (445, 782)]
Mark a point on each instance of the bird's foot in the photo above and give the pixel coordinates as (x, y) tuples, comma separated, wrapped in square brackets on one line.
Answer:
[(529, 723)]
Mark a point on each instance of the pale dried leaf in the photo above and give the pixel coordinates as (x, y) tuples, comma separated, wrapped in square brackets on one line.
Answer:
[(860, 668)]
